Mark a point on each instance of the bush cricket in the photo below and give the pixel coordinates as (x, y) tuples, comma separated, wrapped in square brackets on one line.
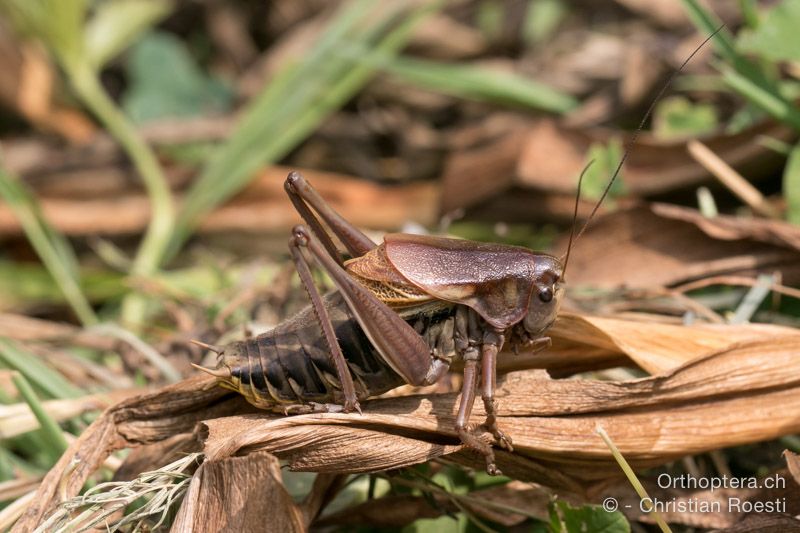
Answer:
[(403, 312)]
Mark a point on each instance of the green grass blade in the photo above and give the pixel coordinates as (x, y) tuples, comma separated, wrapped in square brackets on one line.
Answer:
[(480, 83), (153, 357), (743, 76), (39, 374), (632, 478), (54, 440), (62, 27), (791, 185), (278, 104), (769, 100), (290, 108), (750, 15), (117, 24), (27, 285), (52, 248), (707, 22)]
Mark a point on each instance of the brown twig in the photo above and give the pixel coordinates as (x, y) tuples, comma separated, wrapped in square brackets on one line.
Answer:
[(734, 280), (734, 181)]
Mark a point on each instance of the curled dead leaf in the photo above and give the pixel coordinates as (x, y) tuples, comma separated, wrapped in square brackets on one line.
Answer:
[(239, 494), (655, 245)]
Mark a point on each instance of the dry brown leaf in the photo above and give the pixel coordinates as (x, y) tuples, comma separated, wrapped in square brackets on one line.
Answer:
[(16, 419), (239, 494), (793, 463), (58, 169), (658, 347), (730, 228), (687, 411), (481, 172), (553, 157), (26, 328), (28, 87), (141, 420), (443, 37), (763, 523), (638, 247), (14, 488), (151, 457), (261, 207)]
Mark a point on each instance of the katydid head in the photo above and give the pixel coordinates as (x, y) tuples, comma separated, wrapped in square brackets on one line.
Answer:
[(548, 290)]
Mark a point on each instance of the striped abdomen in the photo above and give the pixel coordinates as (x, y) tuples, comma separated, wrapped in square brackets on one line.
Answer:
[(291, 363)]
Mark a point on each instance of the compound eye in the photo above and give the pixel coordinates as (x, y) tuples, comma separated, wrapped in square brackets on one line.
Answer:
[(546, 295)]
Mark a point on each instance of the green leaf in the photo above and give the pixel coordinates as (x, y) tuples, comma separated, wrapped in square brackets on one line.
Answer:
[(116, 24), (542, 19), (676, 117), (51, 433), (791, 185), (744, 76), (166, 82), (27, 285), (777, 37), (443, 524), (769, 99), (606, 158), (588, 518), (53, 249), (480, 83), (707, 22), (36, 371), (58, 23)]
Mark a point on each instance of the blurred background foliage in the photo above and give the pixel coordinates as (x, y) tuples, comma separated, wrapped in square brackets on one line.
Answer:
[(142, 201)]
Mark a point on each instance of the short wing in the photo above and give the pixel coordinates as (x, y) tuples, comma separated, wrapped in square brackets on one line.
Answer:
[(495, 280), (373, 271)]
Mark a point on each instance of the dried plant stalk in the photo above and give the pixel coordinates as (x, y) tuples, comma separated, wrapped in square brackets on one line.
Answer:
[(99, 505)]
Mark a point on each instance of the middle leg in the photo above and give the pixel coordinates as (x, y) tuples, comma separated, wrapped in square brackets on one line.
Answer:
[(467, 338), (492, 342)]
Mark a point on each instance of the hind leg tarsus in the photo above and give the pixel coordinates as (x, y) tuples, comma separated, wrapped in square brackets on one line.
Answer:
[(312, 407)]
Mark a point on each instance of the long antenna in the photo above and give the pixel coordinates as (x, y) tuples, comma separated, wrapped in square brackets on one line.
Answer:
[(574, 219), (636, 133)]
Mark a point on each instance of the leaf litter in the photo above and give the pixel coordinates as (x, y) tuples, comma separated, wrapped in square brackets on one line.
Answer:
[(714, 387)]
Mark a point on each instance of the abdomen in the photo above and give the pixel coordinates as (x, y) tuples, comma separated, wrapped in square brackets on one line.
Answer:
[(291, 364)]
